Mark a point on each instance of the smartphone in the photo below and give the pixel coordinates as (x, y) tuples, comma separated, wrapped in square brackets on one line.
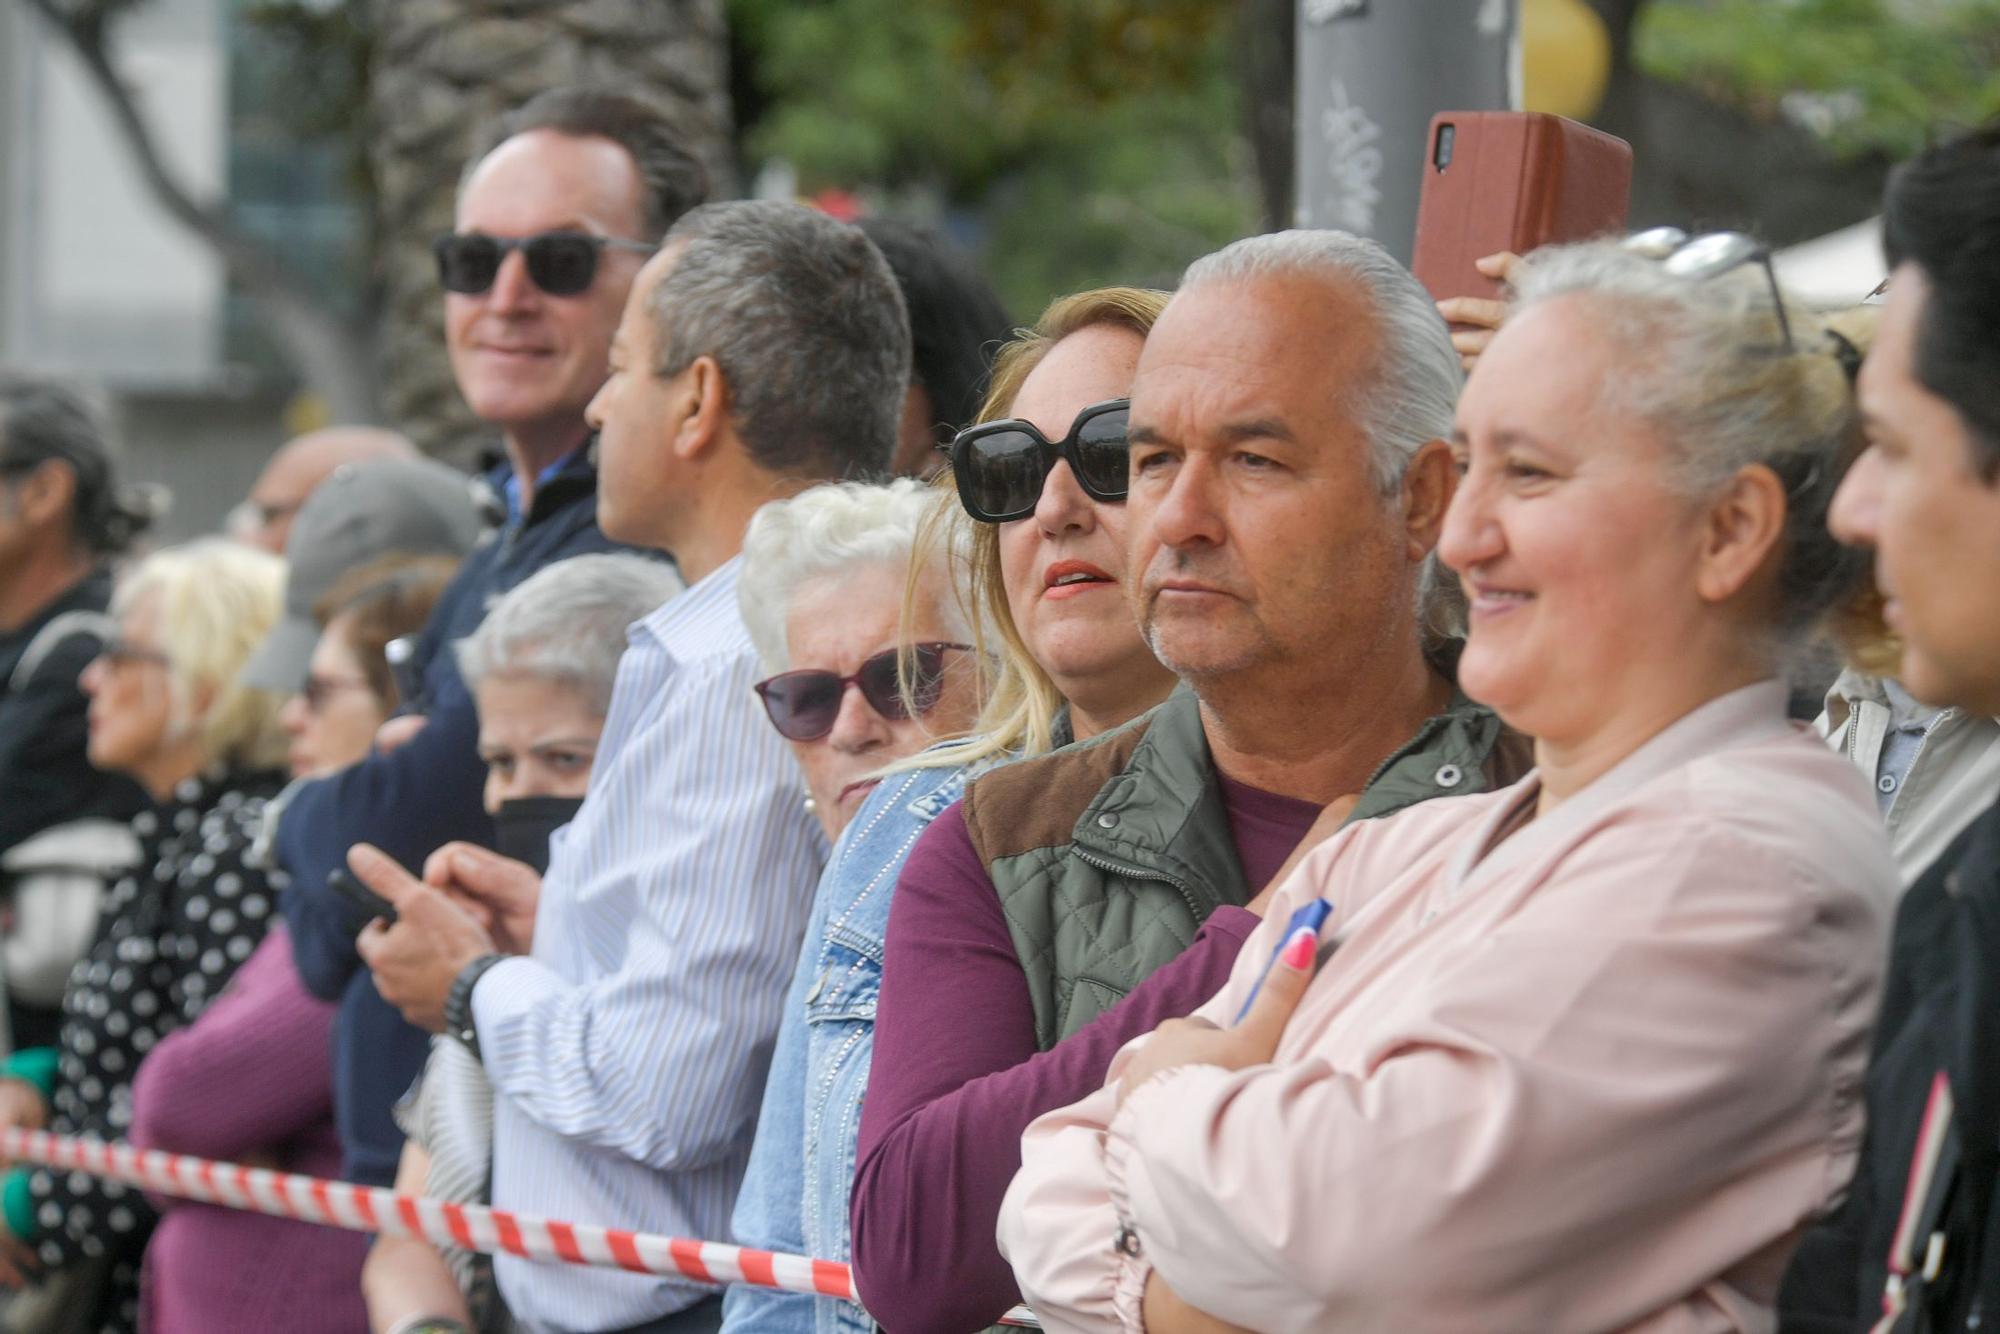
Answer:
[(1512, 180), (401, 655), (371, 904)]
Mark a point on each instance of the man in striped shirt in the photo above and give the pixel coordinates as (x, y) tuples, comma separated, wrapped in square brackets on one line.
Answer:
[(764, 350)]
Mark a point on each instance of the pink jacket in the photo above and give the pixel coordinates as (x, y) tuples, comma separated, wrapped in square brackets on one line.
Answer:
[(1595, 1079)]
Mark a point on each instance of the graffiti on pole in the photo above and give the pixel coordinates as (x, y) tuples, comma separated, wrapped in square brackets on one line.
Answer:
[(1354, 159)]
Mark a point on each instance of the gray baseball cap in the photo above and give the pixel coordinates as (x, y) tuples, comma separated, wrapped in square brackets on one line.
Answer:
[(364, 511)]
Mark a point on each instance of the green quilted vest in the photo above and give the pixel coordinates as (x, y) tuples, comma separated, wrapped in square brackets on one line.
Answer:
[(1110, 854)]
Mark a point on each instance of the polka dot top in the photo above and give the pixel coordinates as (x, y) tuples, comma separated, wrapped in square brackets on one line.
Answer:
[(170, 936)]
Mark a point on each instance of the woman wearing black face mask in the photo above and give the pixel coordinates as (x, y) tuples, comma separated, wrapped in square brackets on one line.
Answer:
[(540, 668)]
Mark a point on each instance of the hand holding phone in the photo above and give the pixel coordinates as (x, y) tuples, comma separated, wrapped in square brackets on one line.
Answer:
[(369, 904), (1512, 181)]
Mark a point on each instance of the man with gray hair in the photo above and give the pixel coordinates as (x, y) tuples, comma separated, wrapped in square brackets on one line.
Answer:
[(762, 351), (1289, 473)]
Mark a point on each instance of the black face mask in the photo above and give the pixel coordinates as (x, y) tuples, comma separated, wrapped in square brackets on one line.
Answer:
[(522, 827)]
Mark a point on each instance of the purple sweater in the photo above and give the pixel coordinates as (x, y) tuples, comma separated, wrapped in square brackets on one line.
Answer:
[(957, 1073), (253, 1075)]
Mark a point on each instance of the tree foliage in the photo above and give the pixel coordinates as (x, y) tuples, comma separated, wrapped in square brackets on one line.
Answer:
[(1092, 141), (1869, 76)]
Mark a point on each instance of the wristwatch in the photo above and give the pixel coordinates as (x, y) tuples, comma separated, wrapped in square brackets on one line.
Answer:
[(458, 1001)]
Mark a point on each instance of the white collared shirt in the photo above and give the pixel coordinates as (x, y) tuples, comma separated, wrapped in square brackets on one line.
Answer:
[(628, 1052), (1951, 781)]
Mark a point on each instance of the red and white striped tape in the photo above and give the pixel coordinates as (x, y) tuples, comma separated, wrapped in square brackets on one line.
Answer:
[(469, 1227)]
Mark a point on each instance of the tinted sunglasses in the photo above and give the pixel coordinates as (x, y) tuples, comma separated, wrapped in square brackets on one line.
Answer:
[(804, 704), (560, 263), (1000, 466), (318, 691), (122, 653)]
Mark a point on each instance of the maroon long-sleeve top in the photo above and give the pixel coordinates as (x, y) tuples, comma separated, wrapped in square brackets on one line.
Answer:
[(957, 1073), (252, 1076)]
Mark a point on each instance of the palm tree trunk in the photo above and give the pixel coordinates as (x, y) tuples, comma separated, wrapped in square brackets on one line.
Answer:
[(442, 68)]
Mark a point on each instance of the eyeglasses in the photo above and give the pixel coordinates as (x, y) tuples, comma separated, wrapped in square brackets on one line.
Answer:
[(1000, 467), (560, 263), (1710, 256), (122, 653), (319, 689), (804, 704), (1715, 254)]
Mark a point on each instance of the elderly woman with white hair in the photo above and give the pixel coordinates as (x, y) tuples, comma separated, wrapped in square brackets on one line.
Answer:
[(857, 682), (540, 668), (165, 707), (1584, 1053)]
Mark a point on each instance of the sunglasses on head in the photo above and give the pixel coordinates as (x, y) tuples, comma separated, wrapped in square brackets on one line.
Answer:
[(804, 704), (1000, 466), (560, 263)]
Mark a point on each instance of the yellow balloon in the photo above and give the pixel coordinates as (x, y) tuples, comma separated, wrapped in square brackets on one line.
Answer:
[(1565, 57)]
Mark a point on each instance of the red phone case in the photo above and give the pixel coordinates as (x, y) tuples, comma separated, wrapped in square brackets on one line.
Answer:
[(1512, 180)]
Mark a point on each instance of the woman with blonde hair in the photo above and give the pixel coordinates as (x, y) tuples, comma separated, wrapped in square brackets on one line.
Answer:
[(165, 707), (1061, 668)]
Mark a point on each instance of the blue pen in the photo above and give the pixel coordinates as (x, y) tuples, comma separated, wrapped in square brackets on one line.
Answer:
[(1314, 915)]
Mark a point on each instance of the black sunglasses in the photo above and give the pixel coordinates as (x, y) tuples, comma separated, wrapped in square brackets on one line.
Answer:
[(1000, 467), (805, 704), (560, 263)]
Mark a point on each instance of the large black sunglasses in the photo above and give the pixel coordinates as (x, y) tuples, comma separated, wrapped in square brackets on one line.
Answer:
[(805, 704), (1000, 467), (560, 263)]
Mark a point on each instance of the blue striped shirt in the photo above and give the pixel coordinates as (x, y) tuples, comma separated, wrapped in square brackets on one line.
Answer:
[(628, 1052)]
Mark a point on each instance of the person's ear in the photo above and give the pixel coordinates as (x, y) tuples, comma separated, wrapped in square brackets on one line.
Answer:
[(701, 410), (1428, 484), (1743, 526), (47, 493)]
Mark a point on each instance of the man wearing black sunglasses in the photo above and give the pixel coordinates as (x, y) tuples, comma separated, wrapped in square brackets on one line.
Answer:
[(556, 213)]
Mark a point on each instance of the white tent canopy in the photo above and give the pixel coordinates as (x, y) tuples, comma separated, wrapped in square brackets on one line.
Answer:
[(1834, 270)]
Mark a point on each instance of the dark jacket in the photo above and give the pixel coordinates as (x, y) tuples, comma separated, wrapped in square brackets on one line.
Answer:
[(171, 936), (1940, 1014), (1109, 855), (409, 802), (45, 778)]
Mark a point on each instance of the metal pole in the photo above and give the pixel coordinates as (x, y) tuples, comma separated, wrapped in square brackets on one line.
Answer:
[(1372, 73)]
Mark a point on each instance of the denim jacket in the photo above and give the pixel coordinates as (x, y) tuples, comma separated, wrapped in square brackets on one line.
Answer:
[(794, 1196)]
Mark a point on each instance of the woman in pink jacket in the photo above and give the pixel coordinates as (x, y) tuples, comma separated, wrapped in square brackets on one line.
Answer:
[(1586, 1053)]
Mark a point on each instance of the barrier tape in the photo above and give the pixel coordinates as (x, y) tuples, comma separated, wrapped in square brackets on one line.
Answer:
[(469, 1227)]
